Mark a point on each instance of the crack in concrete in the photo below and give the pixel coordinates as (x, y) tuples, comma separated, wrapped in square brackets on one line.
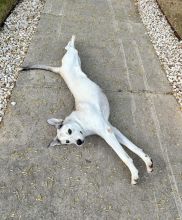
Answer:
[(143, 91), (140, 91)]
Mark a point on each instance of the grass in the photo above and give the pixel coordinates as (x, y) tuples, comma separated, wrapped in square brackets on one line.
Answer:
[(5, 7)]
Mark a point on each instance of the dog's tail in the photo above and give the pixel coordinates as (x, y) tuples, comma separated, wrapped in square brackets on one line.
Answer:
[(71, 43), (41, 67)]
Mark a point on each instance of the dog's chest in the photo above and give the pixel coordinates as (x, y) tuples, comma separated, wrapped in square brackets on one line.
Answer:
[(89, 116)]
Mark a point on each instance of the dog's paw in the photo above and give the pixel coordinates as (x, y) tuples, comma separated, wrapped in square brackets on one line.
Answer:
[(134, 179), (149, 165)]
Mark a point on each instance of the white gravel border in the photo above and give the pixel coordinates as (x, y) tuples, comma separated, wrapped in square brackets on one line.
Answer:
[(15, 37), (166, 44)]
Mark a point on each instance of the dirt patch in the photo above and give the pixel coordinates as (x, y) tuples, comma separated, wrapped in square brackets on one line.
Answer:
[(5, 7), (173, 11)]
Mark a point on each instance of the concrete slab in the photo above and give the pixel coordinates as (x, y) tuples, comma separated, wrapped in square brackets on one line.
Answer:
[(91, 182), (53, 179)]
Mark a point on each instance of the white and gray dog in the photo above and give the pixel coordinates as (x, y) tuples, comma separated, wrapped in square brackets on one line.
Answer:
[(91, 114)]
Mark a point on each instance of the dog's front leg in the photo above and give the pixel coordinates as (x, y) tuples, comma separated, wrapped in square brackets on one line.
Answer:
[(109, 136), (125, 141)]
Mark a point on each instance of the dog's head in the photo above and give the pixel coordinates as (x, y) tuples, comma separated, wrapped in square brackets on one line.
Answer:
[(67, 133)]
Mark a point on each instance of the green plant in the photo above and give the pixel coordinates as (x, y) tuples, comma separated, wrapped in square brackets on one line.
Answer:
[(5, 7)]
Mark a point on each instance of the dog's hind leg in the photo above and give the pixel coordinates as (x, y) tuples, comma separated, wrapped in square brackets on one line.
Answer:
[(138, 151), (71, 57), (71, 43)]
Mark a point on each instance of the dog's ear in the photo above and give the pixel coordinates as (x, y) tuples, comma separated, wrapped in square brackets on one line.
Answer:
[(54, 142), (55, 122)]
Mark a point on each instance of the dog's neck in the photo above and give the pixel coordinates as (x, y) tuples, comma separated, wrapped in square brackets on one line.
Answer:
[(76, 118), (73, 119)]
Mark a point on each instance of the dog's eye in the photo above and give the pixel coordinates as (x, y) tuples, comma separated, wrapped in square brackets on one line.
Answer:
[(69, 131), (81, 132), (67, 141)]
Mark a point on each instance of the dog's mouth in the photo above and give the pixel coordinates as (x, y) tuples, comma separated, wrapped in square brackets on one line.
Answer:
[(79, 142)]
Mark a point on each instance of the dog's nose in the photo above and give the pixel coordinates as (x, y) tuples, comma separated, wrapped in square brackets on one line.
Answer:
[(79, 142)]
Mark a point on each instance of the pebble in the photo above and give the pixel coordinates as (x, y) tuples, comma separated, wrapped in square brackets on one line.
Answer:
[(13, 103), (15, 37), (166, 44)]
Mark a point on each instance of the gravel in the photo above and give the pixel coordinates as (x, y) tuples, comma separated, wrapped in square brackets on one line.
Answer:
[(15, 37), (13, 103), (166, 44)]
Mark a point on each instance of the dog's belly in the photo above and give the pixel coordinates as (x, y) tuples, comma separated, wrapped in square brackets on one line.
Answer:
[(85, 90)]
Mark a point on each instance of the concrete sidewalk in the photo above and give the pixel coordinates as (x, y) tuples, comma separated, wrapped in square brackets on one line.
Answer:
[(91, 182)]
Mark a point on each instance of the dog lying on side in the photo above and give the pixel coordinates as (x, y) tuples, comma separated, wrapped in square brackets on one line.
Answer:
[(91, 114)]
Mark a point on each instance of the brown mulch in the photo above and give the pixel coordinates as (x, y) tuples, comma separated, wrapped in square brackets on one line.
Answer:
[(173, 12)]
